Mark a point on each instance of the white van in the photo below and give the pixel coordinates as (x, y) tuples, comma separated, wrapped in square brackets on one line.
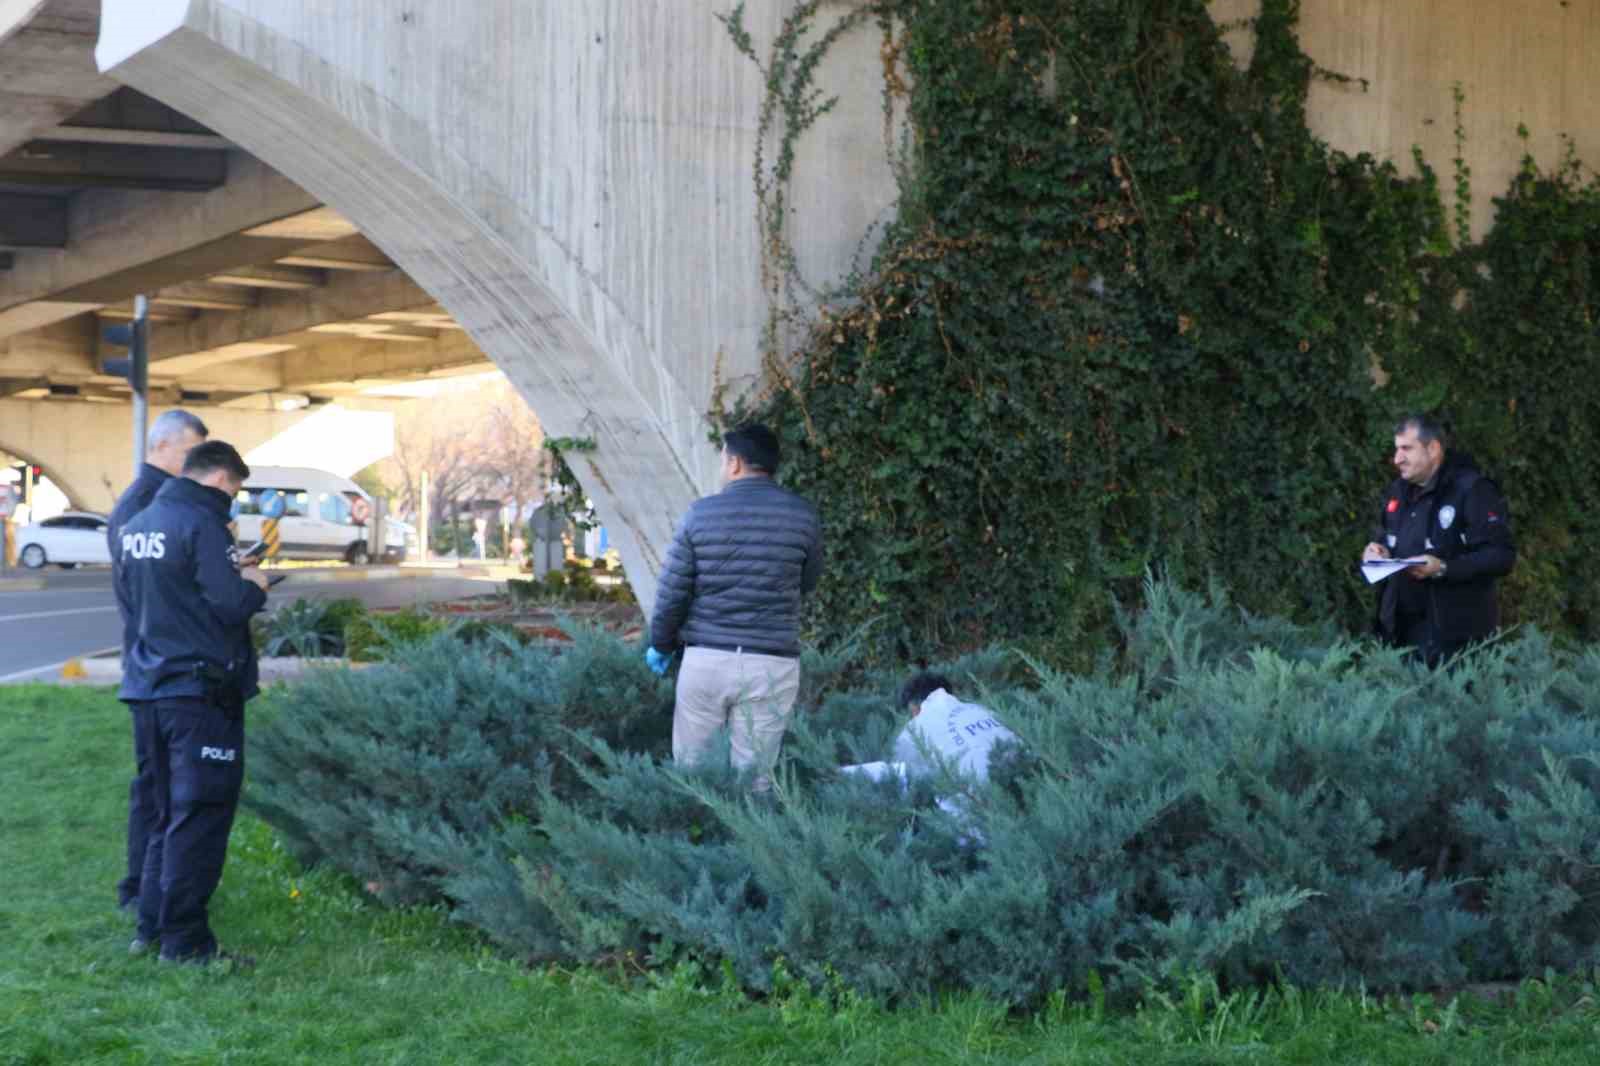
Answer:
[(325, 516)]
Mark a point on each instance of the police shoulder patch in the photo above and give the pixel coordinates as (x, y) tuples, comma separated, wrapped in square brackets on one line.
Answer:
[(1447, 516)]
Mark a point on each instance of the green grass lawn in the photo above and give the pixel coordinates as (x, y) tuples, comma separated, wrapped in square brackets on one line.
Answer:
[(341, 980)]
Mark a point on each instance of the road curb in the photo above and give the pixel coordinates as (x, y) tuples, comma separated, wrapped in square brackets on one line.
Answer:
[(316, 577), (328, 577), (380, 573), (103, 667)]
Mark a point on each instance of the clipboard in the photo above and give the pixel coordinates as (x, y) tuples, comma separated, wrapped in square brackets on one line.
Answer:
[(1376, 570)]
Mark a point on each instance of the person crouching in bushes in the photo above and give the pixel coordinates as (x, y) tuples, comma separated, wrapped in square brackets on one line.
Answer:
[(943, 728), (944, 733)]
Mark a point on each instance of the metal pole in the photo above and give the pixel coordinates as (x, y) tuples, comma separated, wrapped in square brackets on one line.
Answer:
[(378, 532), (139, 378), (424, 516)]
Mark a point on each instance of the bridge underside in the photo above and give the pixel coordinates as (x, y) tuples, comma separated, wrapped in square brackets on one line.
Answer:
[(267, 307), (577, 196)]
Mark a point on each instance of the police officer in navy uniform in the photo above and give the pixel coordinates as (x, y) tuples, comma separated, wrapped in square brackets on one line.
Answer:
[(166, 447), (192, 663), (1443, 510)]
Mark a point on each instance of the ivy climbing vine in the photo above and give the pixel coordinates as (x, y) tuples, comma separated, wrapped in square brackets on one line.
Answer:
[(568, 495), (1133, 313)]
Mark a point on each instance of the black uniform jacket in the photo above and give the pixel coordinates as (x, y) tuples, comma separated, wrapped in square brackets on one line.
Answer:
[(1462, 519), (135, 498), (191, 608)]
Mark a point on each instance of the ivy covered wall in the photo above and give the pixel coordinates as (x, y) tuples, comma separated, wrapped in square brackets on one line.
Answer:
[(1133, 313)]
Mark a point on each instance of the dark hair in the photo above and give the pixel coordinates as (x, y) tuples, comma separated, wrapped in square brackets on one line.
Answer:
[(755, 444), (214, 455), (923, 685), (1428, 428)]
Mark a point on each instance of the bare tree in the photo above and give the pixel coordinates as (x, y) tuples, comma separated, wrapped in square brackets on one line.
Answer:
[(477, 444), (516, 461)]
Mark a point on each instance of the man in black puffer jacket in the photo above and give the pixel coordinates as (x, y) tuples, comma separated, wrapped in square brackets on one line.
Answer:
[(730, 593), (1441, 510)]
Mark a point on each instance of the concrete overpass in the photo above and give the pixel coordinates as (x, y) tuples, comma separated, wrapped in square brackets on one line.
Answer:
[(266, 306), (572, 183), (83, 448)]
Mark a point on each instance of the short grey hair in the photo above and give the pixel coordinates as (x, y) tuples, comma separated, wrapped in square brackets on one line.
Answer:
[(173, 424), (1428, 428)]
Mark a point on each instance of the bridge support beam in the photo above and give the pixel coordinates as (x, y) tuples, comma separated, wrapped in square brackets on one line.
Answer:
[(579, 196), (83, 447)]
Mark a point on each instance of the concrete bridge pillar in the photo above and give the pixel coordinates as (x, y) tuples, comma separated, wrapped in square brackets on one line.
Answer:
[(572, 180), (86, 449)]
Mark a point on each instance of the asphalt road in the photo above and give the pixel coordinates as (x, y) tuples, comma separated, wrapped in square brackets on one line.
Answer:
[(76, 613)]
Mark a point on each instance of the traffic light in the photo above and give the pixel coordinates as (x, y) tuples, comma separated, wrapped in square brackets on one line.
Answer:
[(134, 336)]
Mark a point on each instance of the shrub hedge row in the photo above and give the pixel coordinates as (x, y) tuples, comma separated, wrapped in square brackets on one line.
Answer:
[(1236, 795)]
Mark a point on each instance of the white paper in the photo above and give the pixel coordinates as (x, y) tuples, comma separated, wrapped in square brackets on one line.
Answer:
[(1375, 570)]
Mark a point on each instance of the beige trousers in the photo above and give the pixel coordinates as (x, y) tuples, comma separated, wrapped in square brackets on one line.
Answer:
[(749, 694)]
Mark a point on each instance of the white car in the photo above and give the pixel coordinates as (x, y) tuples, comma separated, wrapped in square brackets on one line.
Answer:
[(66, 540)]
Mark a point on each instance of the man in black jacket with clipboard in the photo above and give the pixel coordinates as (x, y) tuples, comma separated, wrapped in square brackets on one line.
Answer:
[(1445, 513)]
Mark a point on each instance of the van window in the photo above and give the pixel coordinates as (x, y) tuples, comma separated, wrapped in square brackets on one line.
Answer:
[(333, 507), (296, 501)]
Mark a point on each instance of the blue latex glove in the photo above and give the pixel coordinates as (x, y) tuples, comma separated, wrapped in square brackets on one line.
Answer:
[(657, 662)]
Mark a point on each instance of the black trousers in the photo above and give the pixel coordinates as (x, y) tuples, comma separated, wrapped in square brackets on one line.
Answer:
[(141, 808), (197, 768), (1419, 632)]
